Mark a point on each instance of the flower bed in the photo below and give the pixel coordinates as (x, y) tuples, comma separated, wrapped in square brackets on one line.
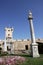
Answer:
[(11, 60)]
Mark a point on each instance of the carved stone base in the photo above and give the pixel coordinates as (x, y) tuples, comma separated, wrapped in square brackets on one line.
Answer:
[(34, 50)]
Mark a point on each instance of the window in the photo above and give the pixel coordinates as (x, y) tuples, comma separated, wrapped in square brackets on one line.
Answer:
[(8, 30), (8, 34)]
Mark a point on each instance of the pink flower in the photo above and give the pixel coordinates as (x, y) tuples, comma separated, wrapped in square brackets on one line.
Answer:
[(11, 60)]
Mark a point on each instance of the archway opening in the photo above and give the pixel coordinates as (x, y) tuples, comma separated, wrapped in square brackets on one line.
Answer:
[(40, 47), (26, 47)]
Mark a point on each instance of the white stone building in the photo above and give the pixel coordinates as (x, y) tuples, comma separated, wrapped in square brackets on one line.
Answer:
[(12, 46)]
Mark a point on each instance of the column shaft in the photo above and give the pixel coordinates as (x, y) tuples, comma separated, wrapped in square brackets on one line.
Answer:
[(32, 31)]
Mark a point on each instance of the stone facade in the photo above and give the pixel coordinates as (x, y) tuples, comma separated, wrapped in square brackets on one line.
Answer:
[(15, 46), (19, 46)]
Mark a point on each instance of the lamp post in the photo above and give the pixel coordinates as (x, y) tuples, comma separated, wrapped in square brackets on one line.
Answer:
[(34, 45)]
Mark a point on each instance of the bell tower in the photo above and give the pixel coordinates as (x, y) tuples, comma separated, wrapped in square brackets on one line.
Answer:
[(8, 33), (8, 40)]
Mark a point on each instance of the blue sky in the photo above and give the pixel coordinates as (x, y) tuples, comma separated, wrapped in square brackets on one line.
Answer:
[(14, 13)]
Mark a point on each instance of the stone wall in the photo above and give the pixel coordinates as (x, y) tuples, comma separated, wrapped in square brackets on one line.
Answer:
[(19, 45)]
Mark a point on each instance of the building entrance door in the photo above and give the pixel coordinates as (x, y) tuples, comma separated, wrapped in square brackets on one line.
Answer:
[(26, 47), (8, 49)]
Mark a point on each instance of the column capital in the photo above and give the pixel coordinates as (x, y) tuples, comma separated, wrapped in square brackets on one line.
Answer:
[(30, 15)]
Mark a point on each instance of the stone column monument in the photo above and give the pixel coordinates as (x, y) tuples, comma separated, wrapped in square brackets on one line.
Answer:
[(34, 45)]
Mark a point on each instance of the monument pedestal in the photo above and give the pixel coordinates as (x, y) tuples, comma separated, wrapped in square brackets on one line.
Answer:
[(34, 50)]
